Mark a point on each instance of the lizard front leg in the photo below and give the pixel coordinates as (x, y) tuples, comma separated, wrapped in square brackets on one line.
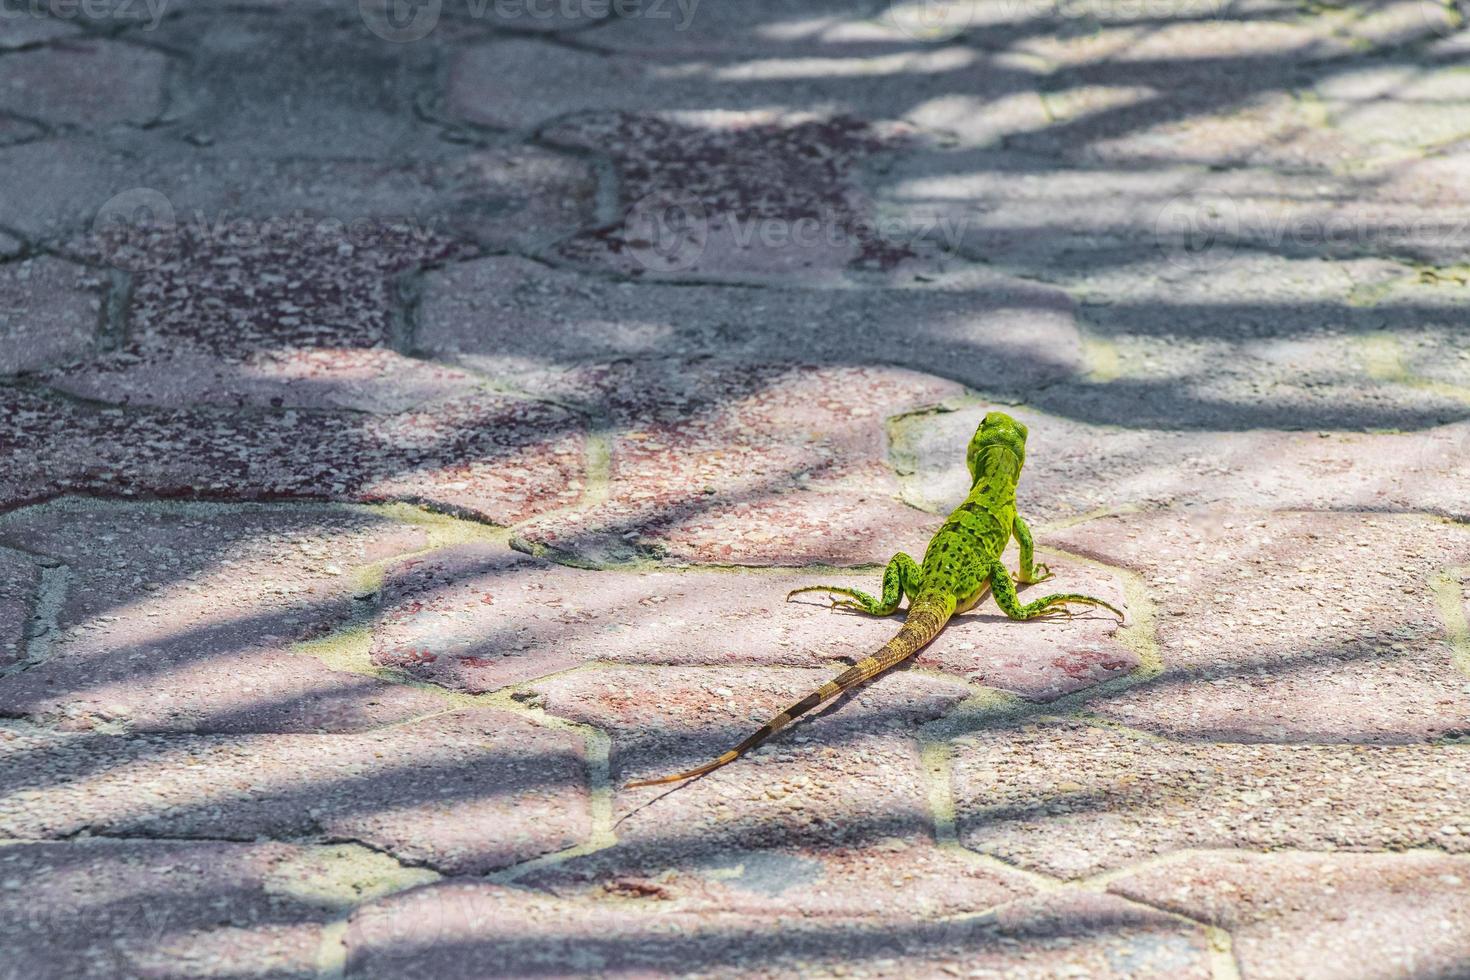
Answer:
[(1030, 573), (1004, 591), (901, 577)]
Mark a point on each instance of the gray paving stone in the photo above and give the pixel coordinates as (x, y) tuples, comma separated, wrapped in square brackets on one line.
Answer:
[(20, 581), (464, 793), (455, 929), (1320, 916), (1072, 799), (89, 83), (259, 86), (1406, 103), (49, 310), (758, 28), (22, 29), (183, 619), (507, 316)]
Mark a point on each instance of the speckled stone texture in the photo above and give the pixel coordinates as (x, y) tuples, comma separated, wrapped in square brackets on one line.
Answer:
[(413, 417)]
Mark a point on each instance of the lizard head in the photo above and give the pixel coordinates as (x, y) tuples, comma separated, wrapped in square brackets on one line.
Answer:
[(997, 449)]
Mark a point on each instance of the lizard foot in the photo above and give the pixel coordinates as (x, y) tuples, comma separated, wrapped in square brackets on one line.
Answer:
[(1040, 573)]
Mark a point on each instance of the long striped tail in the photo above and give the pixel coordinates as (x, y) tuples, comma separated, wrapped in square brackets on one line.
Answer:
[(926, 618)]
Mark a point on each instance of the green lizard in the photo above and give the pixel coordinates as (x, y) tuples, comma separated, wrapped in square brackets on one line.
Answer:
[(962, 560)]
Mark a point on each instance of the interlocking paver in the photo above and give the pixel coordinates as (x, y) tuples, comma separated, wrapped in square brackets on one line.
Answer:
[(468, 792), (898, 876), (701, 303), (1291, 627), (49, 310), (105, 908), (1074, 468), (89, 82), (499, 458), (1072, 799), (1322, 916), (182, 619), (20, 581), (707, 454), (476, 618), (25, 31), (855, 776), (454, 929), (510, 317), (297, 317), (761, 27)]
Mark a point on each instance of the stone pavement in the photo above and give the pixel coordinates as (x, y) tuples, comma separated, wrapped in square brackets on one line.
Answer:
[(415, 413)]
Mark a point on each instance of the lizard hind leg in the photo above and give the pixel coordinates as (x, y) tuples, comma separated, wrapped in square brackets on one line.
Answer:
[(1004, 590), (900, 578)]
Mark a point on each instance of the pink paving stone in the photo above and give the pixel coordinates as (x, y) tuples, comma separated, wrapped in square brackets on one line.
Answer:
[(1322, 916), (743, 464), (500, 459), (1074, 467), (183, 619), (463, 793), (454, 929), (92, 82), (1290, 627), (476, 618), (893, 878), (506, 315), (853, 774), (49, 310), (20, 580), (95, 909), (1070, 799)]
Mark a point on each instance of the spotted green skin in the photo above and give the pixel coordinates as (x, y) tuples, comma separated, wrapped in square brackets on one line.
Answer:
[(962, 561), (964, 557)]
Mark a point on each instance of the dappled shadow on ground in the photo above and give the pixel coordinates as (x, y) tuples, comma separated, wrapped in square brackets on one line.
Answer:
[(1211, 213)]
